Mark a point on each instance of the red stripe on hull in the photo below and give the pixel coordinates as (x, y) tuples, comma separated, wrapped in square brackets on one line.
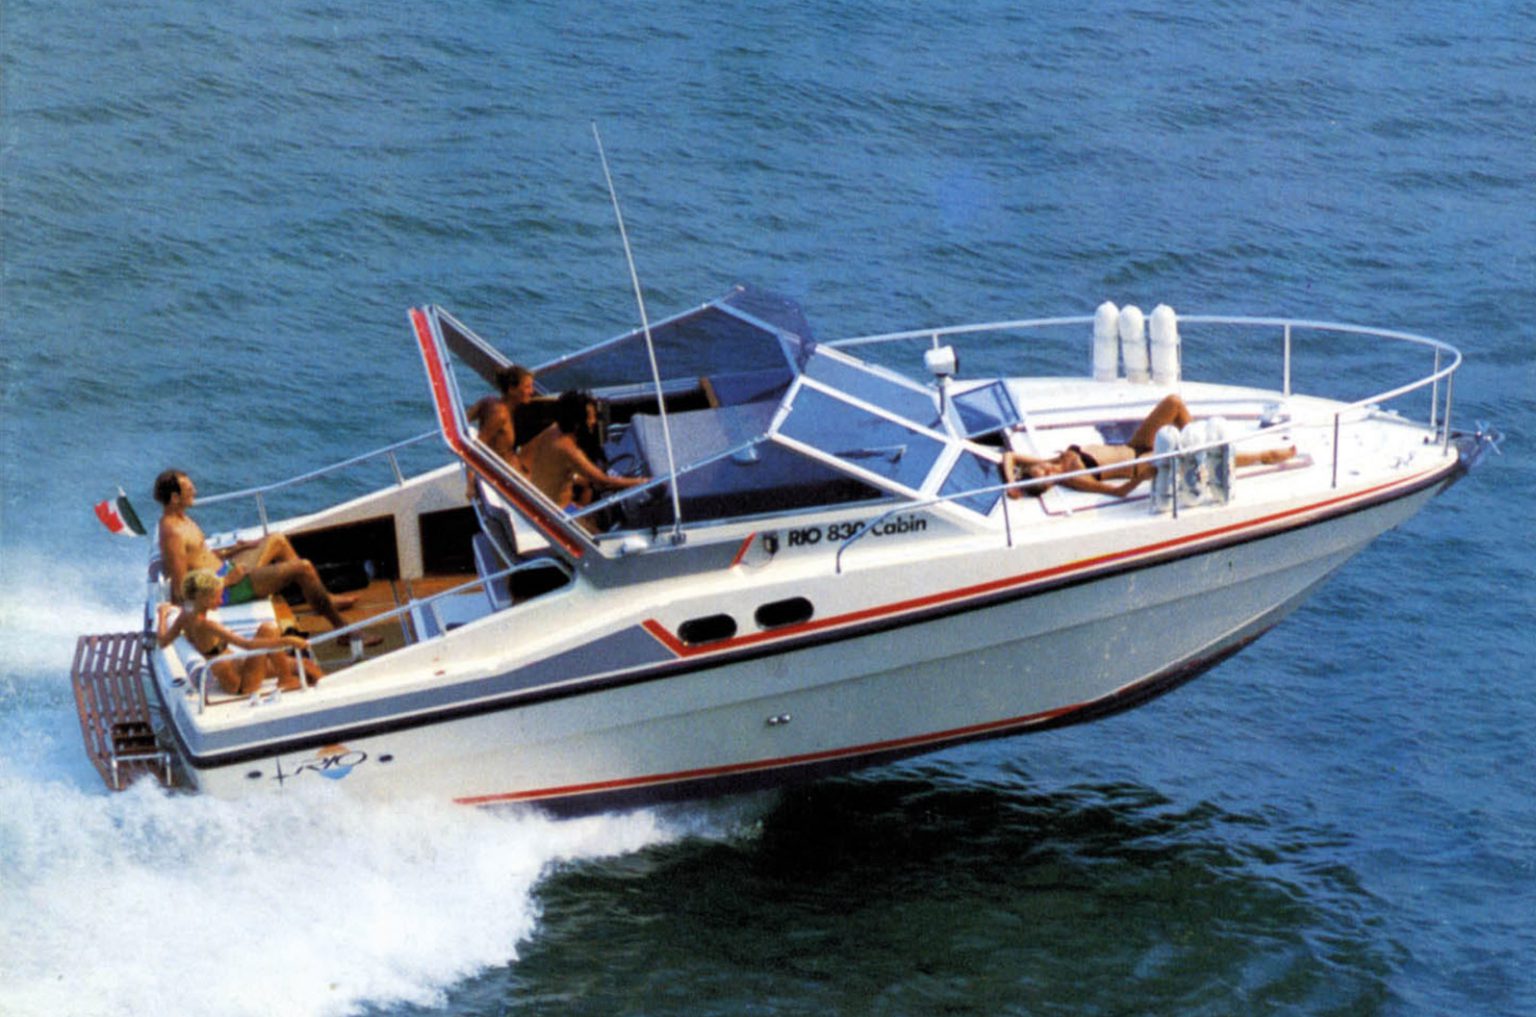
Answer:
[(741, 552)]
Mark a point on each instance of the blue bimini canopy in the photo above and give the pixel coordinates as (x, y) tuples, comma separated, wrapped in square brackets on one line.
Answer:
[(747, 337)]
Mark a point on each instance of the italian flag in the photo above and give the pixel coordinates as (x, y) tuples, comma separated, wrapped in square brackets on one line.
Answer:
[(117, 515)]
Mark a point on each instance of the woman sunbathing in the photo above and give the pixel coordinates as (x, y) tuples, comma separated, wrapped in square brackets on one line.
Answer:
[(1124, 463), (201, 591)]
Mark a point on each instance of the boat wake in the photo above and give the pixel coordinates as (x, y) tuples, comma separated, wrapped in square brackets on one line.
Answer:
[(147, 902), (152, 903)]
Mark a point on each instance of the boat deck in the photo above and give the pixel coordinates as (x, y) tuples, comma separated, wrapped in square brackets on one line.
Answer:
[(379, 597)]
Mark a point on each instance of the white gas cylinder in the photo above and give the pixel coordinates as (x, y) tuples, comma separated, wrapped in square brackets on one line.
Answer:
[(1165, 346), (1133, 343), (1106, 342)]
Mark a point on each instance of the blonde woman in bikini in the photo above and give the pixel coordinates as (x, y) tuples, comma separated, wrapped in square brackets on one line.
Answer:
[(1122, 463), (201, 591)]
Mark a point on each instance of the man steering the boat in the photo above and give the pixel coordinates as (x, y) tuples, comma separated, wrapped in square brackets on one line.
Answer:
[(556, 464), (248, 569)]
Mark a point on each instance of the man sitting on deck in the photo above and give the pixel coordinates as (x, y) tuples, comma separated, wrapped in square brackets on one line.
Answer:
[(248, 569), (556, 463)]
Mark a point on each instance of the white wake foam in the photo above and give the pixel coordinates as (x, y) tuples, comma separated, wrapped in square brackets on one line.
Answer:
[(146, 903)]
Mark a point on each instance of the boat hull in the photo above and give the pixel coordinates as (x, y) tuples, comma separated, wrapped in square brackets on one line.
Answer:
[(1032, 660)]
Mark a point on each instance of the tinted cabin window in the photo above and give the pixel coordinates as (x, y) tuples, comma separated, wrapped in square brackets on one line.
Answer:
[(445, 540), (710, 629), (784, 612), (371, 540)]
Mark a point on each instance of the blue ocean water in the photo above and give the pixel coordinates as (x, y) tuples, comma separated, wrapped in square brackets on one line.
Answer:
[(214, 219)]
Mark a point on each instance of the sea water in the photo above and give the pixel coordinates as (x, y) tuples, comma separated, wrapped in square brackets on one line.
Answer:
[(214, 219)]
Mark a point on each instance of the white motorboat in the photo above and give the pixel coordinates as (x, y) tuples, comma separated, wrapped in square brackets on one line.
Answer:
[(825, 571)]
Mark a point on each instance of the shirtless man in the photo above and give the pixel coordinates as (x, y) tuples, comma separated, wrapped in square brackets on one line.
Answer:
[(248, 569), (555, 462), (495, 415)]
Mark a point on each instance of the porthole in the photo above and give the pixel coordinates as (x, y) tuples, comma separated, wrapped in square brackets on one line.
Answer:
[(709, 629), (792, 611)]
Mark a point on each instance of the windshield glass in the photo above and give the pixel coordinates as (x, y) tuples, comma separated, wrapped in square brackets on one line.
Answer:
[(895, 395), (860, 439)]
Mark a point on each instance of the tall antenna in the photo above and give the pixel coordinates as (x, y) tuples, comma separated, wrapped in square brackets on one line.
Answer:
[(650, 349)]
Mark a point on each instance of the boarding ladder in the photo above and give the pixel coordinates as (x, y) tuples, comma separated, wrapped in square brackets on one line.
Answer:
[(115, 722)]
